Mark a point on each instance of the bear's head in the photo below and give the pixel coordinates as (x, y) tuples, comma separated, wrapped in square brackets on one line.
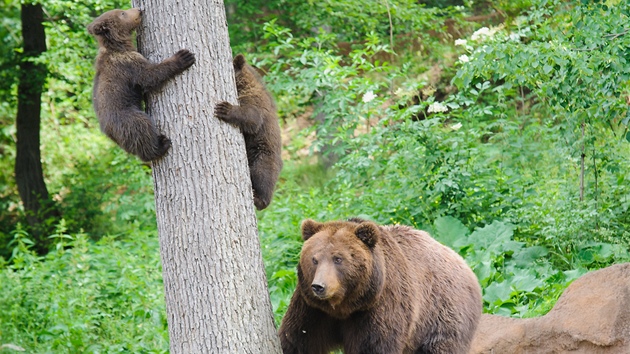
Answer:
[(341, 266), (113, 29), (246, 75)]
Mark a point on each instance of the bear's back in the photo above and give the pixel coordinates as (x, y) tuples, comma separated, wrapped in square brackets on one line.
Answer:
[(419, 245), (453, 289), (113, 83)]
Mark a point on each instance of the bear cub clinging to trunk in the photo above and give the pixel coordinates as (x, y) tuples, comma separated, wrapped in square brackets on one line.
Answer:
[(122, 77), (257, 118)]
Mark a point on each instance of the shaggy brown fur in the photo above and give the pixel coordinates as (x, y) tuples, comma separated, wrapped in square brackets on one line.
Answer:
[(122, 77), (257, 118), (379, 289)]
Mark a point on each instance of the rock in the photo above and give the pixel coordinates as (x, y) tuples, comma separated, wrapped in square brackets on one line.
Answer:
[(591, 317)]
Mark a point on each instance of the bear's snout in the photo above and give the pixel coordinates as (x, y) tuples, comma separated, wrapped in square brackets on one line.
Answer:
[(325, 284), (318, 290)]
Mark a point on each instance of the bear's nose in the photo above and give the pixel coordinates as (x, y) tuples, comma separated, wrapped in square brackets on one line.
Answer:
[(318, 289)]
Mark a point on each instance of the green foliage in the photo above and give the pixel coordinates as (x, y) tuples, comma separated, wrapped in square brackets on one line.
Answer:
[(404, 20), (84, 297), (574, 59), (9, 38), (309, 71), (108, 194), (517, 278)]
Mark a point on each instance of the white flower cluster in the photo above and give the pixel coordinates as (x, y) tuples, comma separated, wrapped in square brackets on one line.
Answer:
[(437, 107), (368, 96), (514, 37), (482, 33), (461, 42)]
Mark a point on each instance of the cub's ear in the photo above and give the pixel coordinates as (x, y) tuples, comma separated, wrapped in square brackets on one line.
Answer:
[(239, 62), (357, 220), (368, 232), (98, 28), (310, 228)]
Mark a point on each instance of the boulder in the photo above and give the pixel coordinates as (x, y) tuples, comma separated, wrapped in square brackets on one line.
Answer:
[(592, 316)]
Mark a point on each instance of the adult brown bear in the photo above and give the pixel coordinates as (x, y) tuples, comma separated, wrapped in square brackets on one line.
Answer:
[(122, 77), (367, 288)]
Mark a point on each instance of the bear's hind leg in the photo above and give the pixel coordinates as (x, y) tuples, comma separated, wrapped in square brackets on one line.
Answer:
[(264, 173), (139, 136), (164, 143)]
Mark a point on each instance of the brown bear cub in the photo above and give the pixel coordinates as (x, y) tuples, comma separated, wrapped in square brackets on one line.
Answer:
[(122, 77), (257, 117), (376, 289)]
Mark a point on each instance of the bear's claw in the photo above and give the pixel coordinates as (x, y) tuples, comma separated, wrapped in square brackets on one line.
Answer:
[(222, 110), (185, 58)]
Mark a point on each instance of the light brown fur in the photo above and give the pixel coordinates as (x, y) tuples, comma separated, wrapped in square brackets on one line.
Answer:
[(379, 289)]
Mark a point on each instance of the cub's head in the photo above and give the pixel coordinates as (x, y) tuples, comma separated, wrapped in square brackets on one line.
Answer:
[(115, 26), (248, 80), (339, 270), (239, 63)]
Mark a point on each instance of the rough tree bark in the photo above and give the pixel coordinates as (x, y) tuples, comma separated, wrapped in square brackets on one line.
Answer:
[(216, 289), (29, 175)]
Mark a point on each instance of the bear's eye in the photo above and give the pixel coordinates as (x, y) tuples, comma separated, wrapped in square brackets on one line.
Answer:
[(123, 13), (315, 261), (337, 260)]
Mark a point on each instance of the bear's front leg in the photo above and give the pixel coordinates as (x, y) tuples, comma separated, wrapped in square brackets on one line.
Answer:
[(367, 334), (154, 75), (305, 330), (247, 118)]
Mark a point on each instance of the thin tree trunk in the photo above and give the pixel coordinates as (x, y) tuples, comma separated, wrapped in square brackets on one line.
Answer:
[(28, 165), (215, 284)]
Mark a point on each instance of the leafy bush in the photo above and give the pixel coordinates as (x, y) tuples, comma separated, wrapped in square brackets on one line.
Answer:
[(516, 278), (84, 296)]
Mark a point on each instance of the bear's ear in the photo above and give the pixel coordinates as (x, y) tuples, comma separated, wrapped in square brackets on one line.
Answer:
[(368, 232), (310, 228), (239, 62), (98, 28)]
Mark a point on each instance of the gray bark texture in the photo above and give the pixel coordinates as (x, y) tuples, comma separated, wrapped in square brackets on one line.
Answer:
[(216, 289)]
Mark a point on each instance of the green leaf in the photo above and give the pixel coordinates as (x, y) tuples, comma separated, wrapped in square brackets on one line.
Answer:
[(495, 236), (526, 256), (497, 293), (483, 271), (526, 281), (450, 230)]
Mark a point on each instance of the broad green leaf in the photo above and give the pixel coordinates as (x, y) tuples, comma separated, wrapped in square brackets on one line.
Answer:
[(492, 237), (483, 271), (497, 293), (450, 231), (528, 255), (525, 281)]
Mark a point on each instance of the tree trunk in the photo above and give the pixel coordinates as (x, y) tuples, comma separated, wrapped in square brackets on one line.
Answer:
[(28, 165), (215, 284)]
